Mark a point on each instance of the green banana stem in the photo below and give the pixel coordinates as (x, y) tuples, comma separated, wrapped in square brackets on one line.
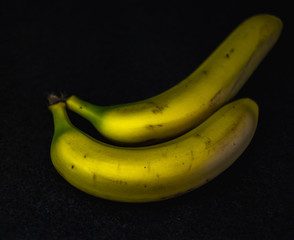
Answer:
[(61, 120), (87, 110)]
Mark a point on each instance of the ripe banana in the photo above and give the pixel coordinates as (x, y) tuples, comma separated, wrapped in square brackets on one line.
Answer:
[(191, 101), (157, 172)]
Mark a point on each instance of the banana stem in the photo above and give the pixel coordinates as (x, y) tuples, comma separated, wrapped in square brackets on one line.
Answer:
[(60, 117), (53, 98), (87, 110)]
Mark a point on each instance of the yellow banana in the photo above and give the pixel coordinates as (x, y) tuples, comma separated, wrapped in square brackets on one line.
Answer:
[(157, 172), (190, 102)]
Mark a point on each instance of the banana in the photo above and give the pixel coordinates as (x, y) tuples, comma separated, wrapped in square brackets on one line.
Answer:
[(156, 172), (184, 106)]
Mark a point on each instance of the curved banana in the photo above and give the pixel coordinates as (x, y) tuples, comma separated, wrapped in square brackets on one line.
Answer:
[(157, 172), (190, 102)]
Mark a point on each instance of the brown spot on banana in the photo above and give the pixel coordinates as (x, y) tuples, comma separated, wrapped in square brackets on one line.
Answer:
[(216, 98), (207, 140), (190, 167), (192, 155), (159, 108), (143, 106), (228, 55), (121, 182), (153, 127)]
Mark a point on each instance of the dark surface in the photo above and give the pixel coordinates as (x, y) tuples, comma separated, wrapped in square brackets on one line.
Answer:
[(121, 53)]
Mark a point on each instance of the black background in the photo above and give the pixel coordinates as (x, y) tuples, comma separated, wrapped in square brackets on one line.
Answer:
[(123, 52)]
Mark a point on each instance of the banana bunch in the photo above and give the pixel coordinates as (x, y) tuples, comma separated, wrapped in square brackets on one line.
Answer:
[(195, 133)]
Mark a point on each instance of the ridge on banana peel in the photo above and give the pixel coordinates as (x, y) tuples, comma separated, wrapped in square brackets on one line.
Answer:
[(177, 110), (157, 172)]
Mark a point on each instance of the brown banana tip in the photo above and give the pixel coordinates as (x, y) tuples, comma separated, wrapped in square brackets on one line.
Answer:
[(54, 98)]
